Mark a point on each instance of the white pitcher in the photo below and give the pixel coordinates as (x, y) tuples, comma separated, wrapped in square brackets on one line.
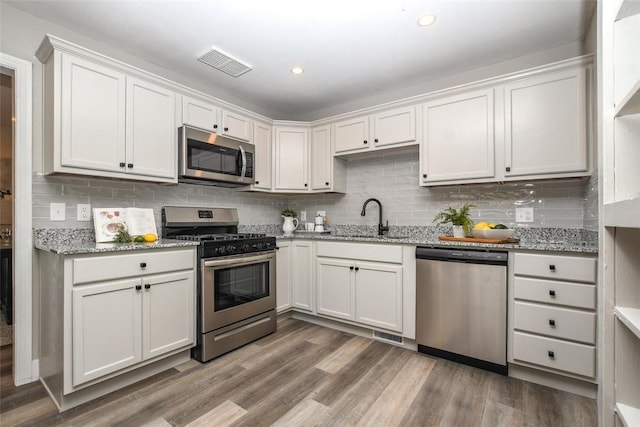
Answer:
[(290, 224)]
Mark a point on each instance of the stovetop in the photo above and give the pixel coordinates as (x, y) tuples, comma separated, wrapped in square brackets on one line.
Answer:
[(217, 245)]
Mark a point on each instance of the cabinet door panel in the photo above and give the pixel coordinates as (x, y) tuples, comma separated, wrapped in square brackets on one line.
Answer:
[(378, 295), (283, 276), (93, 115), (291, 159), (546, 124), (262, 141), (321, 158), (107, 325), (334, 289), (168, 310), (351, 135), (237, 126), (151, 130), (302, 262), (199, 114), (395, 126), (459, 137)]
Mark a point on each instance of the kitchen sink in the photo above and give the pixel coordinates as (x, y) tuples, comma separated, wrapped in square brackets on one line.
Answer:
[(369, 236)]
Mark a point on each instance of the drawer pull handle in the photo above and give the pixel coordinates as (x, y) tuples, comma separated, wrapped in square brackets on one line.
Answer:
[(551, 354), (357, 268), (138, 287), (552, 323), (147, 286), (351, 267), (552, 267), (552, 293), (143, 265)]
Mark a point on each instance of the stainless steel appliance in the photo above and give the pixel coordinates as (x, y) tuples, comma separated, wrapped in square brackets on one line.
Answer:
[(209, 158), (461, 311), (236, 278)]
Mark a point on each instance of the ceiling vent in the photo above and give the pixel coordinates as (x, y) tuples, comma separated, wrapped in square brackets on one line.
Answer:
[(223, 62)]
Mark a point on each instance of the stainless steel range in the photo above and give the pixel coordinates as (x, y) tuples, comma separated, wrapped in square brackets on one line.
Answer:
[(236, 278)]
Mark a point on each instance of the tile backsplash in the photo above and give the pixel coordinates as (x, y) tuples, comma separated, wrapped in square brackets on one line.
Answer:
[(392, 178)]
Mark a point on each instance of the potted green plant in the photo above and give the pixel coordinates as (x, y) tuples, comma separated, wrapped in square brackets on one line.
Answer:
[(459, 219), (290, 221)]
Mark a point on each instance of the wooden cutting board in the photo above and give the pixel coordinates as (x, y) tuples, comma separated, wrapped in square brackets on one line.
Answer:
[(479, 240)]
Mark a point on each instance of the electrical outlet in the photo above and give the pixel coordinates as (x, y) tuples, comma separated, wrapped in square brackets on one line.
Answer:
[(524, 214), (84, 212), (56, 211), (303, 215), (322, 213)]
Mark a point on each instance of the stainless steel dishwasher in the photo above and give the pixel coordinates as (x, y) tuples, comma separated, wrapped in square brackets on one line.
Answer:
[(461, 306)]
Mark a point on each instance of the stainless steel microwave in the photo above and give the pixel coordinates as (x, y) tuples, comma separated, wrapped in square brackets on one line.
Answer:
[(208, 158)]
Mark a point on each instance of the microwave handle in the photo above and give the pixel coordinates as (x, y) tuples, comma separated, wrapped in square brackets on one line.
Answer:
[(243, 162)]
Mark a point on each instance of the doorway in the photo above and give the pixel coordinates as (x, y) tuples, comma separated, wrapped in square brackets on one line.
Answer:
[(6, 206)]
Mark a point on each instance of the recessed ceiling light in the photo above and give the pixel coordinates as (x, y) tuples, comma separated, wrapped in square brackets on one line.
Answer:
[(297, 70), (426, 20)]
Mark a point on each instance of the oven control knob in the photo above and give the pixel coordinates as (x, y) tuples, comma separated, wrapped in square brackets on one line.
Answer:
[(245, 247), (221, 250), (259, 245), (230, 249)]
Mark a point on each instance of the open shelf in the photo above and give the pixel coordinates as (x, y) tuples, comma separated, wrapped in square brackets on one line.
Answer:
[(631, 319), (623, 213), (628, 415), (627, 8), (630, 104)]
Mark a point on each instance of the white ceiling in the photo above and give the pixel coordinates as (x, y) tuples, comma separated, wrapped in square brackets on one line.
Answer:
[(350, 49)]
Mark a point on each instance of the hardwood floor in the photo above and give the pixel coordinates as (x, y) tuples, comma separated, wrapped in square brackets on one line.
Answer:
[(308, 375)]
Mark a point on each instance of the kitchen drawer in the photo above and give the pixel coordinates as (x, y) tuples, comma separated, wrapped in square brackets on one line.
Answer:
[(560, 267), (108, 267), (557, 322), (565, 356), (363, 251), (554, 292)]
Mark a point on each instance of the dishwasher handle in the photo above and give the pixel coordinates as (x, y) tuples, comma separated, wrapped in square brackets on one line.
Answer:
[(470, 256)]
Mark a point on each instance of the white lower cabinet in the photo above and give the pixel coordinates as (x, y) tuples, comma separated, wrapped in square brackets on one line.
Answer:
[(302, 275), (283, 275), (553, 313), (109, 320), (353, 284)]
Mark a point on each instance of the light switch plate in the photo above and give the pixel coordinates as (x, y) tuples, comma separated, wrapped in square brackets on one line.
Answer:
[(84, 212), (524, 214), (303, 215), (57, 212)]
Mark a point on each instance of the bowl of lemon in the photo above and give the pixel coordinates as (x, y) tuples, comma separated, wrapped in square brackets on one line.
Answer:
[(486, 230)]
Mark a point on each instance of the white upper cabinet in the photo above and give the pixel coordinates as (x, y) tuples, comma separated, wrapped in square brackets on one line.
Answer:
[(236, 126), (207, 116), (150, 131), (199, 114), (458, 138), (546, 125), (263, 158), (91, 115), (352, 135), (395, 127), (321, 159), (102, 120), (291, 158)]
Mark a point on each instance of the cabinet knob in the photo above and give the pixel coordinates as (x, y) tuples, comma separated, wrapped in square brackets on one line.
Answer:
[(277, 248), (326, 183), (357, 268), (351, 267), (552, 323), (365, 141), (551, 354), (130, 165), (552, 267), (375, 140), (122, 164), (138, 287), (215, 126), (147, 286), (226, 129), (305, 184), (143, 265), (552, 293), (257, 182), (424, 175), (508, 168)]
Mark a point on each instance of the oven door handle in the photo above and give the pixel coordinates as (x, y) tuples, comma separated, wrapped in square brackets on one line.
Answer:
[(243, 162), (239, 260)]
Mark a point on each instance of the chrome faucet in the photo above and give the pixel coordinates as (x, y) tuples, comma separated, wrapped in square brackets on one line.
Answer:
[(381, 228)]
